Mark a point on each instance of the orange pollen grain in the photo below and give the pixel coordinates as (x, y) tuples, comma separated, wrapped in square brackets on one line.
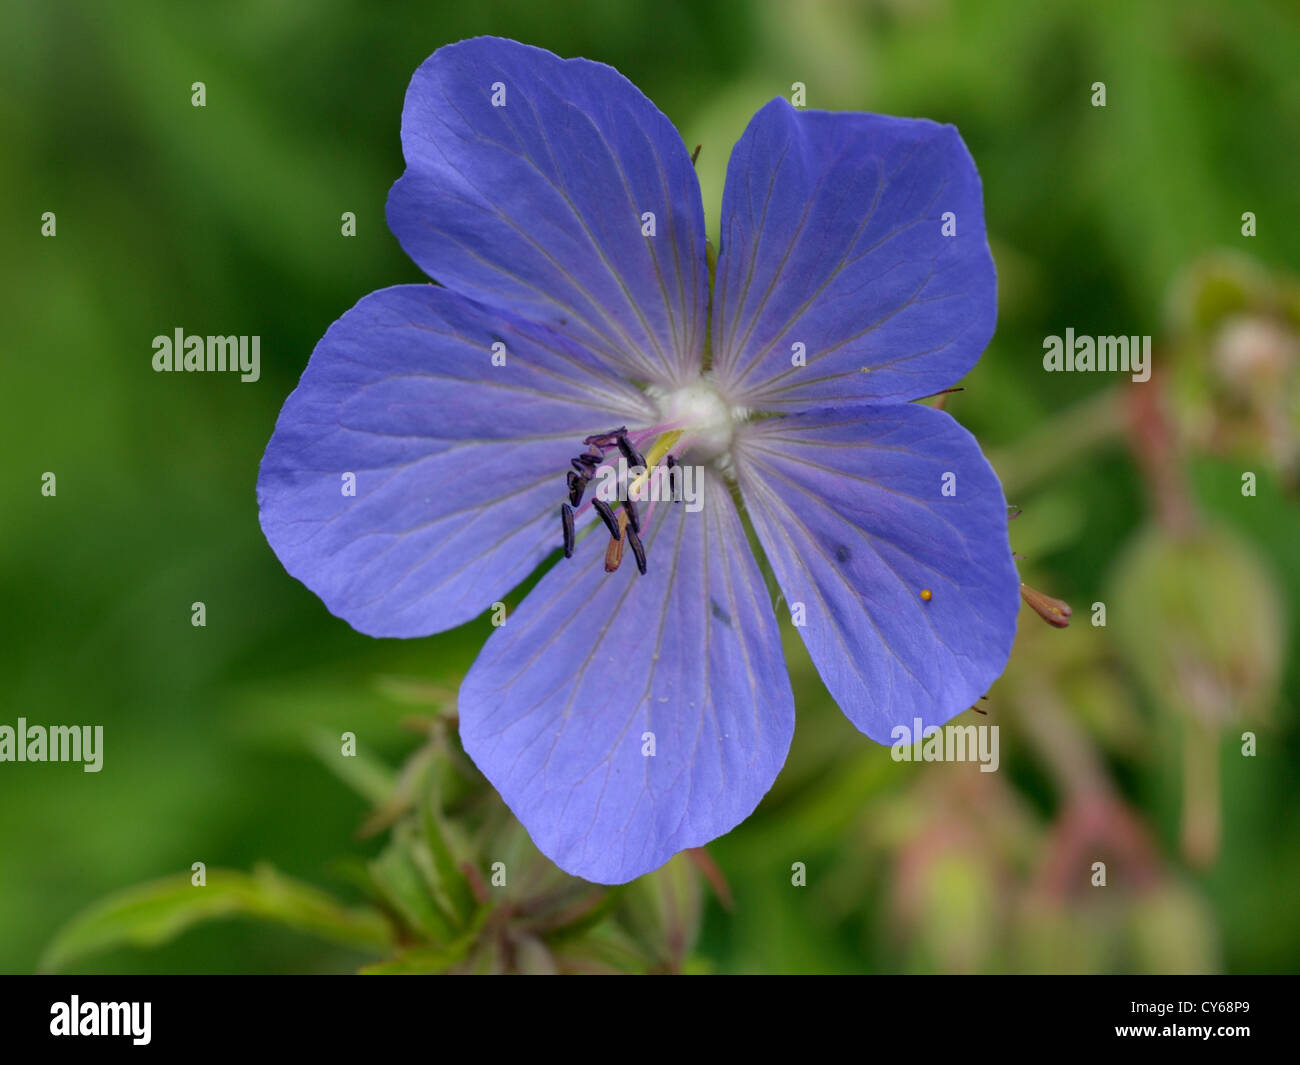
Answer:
[(925, 594)]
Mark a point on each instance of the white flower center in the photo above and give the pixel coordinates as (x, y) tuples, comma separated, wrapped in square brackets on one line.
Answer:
[(705, 417)]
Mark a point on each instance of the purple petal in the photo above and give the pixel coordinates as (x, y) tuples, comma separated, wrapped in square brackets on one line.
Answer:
[(833, 239), (850, 508), (459, 464), (556, 709), (536, 206)]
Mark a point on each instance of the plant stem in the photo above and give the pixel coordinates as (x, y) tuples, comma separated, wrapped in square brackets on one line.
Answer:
[(1064, 439)]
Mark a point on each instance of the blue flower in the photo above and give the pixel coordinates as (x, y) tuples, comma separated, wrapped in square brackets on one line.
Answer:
[(418, 472)]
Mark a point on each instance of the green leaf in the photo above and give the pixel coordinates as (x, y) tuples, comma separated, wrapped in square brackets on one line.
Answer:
[(417, 691), (421, 962), (451, 882), (154, 913), (582, 917), (431, 959), (362, 772), (403, 876)]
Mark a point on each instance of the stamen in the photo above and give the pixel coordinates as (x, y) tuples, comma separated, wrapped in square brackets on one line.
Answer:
[(577, 486), (607, 439), (566, 519), (607, 516), (941, 398), (614, 552), (637, 549), (633, 456), (624, 526)]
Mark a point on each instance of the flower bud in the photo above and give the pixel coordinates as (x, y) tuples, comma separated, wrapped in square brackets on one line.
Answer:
[(1198, 621), (1054, 611)]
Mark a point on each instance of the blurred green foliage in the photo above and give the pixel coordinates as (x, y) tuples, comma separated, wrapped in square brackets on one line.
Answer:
[(218, 740)]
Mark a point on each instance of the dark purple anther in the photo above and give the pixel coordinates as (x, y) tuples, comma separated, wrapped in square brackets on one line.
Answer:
[(673, 478), (604, 440), (607, 516), (638, 549), (566, 519), (576, 487), (633, 518), (633, 456)]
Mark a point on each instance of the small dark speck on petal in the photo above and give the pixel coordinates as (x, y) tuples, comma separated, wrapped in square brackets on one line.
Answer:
[(716, 610), (842, 553)]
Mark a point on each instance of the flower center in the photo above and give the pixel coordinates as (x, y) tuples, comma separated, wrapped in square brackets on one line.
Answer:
[(707, 421), (631, 468)]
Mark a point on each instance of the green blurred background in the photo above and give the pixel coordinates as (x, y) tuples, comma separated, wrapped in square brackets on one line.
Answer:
[(1119, 744)]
